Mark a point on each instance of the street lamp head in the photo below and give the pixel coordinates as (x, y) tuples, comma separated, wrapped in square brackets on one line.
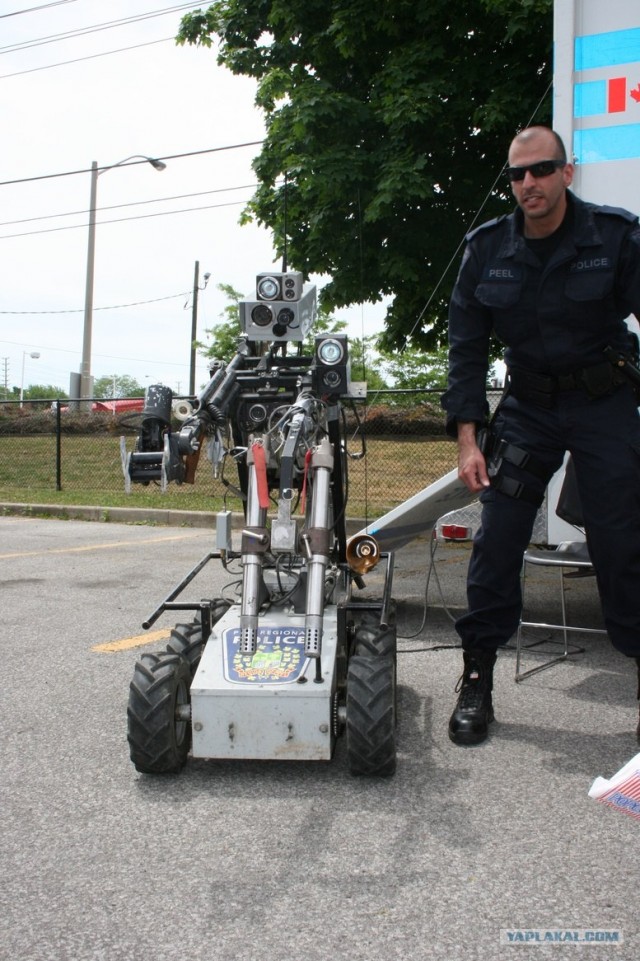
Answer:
[(139, 157), (35, 354)]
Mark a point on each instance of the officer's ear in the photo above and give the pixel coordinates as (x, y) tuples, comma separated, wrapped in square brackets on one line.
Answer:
[(567, 174)]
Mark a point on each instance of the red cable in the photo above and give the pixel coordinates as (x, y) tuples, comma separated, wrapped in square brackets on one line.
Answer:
[(260, 465), (303, 494)]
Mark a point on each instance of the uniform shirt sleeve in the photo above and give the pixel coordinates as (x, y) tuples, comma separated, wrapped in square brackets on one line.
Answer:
[(628, 280), (470, 326)]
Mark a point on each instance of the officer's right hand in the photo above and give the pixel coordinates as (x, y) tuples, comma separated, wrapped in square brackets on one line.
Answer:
[(472, 467)]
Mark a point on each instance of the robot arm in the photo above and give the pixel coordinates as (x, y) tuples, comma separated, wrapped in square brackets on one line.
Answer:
[(164, 456), (213, 406)]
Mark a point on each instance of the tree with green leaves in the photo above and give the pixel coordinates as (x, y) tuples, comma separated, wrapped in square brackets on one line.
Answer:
[(366, 362), (40, 392), (118, 386), (414, 369), (222, 339), (388, 125)]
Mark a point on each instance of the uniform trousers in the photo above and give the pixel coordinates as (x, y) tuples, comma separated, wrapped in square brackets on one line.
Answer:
[(603, 437)]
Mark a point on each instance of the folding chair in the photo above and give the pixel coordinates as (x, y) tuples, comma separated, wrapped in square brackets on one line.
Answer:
[(571, 559)]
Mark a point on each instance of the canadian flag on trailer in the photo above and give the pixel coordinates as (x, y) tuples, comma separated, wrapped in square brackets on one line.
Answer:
[(596, 97)]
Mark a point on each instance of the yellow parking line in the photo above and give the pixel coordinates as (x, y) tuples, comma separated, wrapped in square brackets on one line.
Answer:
[(111, 647), (96, 547)]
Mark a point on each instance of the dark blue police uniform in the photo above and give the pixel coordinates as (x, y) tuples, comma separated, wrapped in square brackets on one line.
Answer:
[(556, 304)]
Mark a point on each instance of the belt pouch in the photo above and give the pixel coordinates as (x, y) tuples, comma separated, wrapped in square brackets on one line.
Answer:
[(599, 380)]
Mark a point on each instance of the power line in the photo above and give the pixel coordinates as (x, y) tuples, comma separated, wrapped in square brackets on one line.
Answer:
[(134, 203), (93, 56), (80, 310), (121, 220), (133, 163), (41, 6), (94, 28)]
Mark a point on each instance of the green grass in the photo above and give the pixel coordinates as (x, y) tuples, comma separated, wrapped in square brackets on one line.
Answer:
[(393, 470)]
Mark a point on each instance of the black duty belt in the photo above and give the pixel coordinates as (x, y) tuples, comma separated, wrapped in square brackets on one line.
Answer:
[(541, 389)]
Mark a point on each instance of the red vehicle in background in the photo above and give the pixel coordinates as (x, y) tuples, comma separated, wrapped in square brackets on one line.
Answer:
[(118, 406)]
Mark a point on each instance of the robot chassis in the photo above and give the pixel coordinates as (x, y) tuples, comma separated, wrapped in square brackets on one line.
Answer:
[(295, 659)]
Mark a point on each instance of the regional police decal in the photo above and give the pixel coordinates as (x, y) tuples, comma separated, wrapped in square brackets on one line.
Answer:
[(279, 656)]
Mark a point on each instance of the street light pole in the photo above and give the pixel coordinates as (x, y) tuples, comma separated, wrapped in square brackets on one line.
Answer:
[(33, 354), (85, 368)]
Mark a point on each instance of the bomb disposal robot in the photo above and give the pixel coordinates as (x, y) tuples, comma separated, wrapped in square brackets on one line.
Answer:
[(293, 659)]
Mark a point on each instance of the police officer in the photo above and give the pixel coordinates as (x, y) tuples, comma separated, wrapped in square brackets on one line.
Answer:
[(554, 281)]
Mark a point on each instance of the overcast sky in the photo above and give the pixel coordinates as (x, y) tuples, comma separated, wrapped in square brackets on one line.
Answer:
[(67, 103)]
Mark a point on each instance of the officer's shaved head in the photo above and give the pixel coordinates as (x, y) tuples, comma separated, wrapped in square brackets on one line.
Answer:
[(528, 137)]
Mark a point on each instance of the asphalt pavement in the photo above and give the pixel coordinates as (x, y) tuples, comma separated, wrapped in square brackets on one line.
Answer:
[(461, 850)]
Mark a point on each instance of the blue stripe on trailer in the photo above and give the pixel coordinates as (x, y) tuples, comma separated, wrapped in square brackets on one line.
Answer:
[(607, 143), (607, 49), (590, 98)]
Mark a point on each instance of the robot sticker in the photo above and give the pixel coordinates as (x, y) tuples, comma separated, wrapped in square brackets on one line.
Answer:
[(279, 657)]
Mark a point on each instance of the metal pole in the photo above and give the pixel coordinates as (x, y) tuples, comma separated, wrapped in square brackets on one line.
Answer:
[(59, 445), (35, 355), (194, 327), (85, 369), (24, 356)]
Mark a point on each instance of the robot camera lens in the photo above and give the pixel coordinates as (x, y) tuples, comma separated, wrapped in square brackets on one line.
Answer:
[(262, 315), (268, 288), (330, 352), (286, 317), (257, 413), (331, 378)]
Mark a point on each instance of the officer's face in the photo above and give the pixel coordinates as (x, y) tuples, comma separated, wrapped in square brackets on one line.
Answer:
[(541, 199)]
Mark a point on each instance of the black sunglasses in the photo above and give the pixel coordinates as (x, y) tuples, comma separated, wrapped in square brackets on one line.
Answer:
[(544, 168)]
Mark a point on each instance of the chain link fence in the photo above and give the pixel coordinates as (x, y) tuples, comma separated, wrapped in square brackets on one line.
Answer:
[(52, 454)]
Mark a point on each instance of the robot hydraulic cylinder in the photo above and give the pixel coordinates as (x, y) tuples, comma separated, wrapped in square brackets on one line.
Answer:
[(255, 542), (316, 546)]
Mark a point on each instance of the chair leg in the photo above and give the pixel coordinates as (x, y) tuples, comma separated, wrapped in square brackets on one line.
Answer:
[(519, 631), (521, 675), (564, 616)]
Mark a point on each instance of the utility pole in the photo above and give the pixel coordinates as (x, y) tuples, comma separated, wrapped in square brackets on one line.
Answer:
[(194, 329), (194, 325), (85, 368), (5, 379)]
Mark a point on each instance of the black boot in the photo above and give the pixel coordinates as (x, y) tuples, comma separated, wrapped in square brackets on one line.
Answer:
[(470, 721)]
